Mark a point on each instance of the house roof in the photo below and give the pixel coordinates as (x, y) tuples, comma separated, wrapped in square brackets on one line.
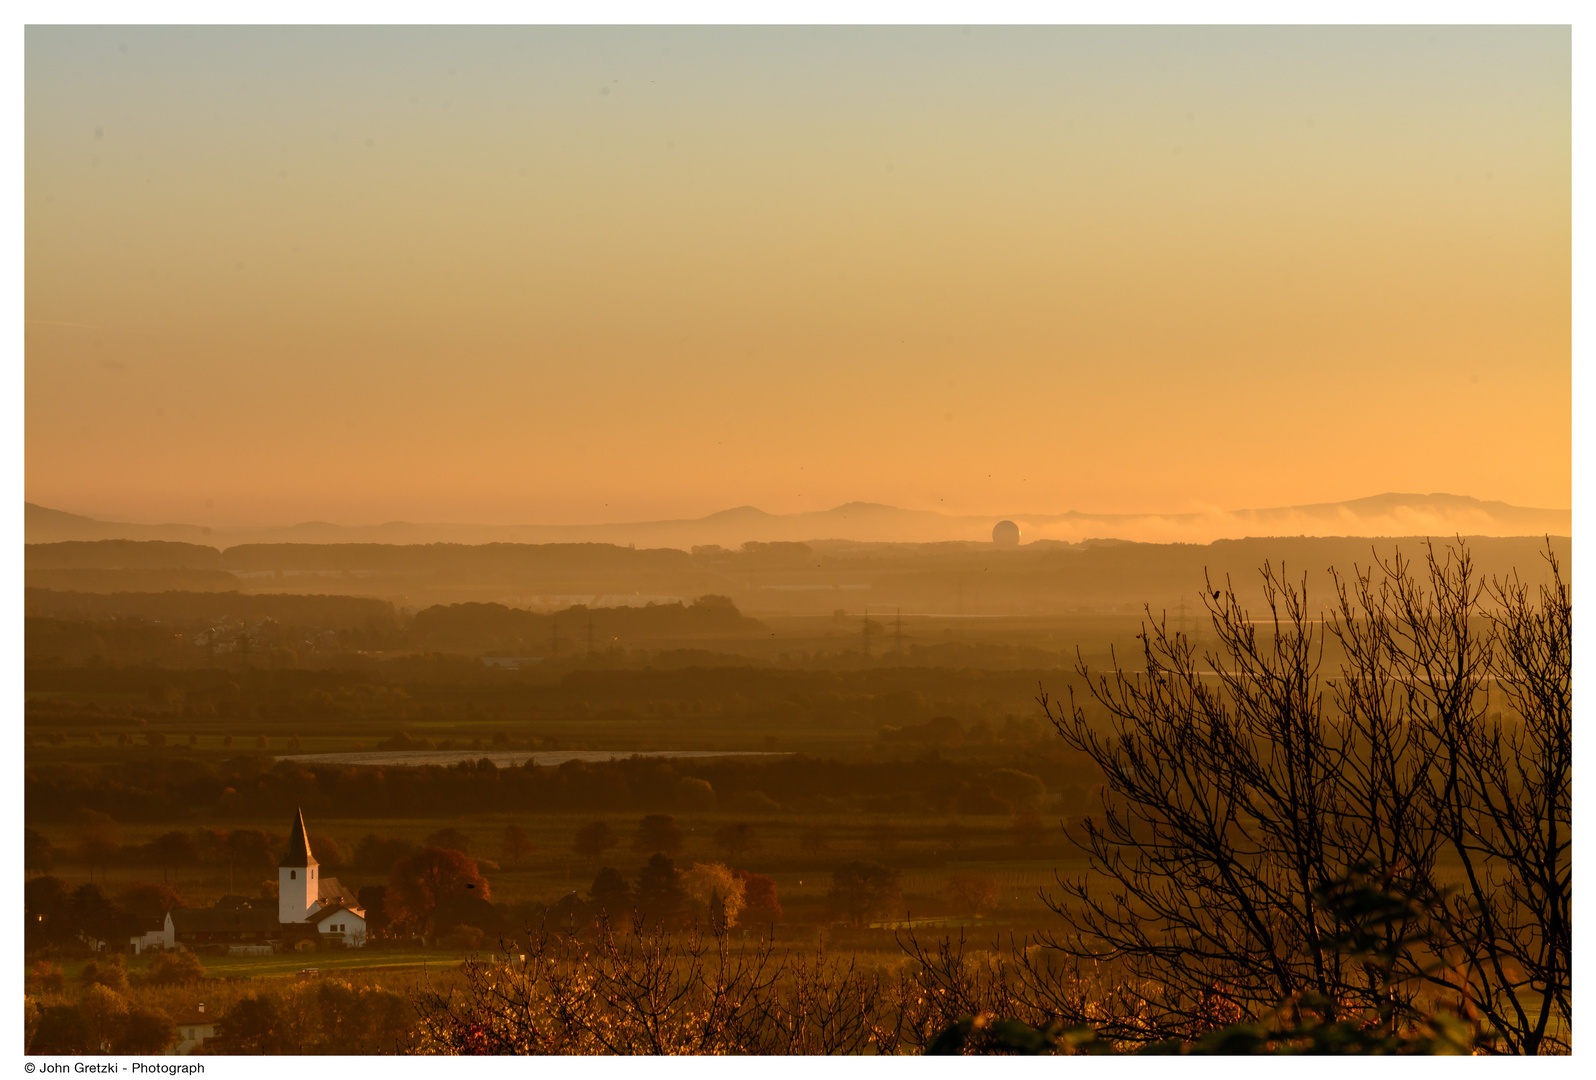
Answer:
[(190, 1015), (298, 844), (220, 920), (335, 909)]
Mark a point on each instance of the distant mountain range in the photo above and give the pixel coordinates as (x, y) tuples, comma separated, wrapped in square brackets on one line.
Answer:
[(1378, 515)]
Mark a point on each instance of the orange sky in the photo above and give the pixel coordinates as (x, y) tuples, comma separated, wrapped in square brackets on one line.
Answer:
[(564, 275)]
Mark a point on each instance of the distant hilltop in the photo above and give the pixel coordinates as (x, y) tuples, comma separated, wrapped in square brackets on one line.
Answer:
[(1379, 515)]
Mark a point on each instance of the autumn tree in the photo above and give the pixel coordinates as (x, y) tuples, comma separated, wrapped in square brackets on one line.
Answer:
[(972, 893), (174, 968), (657, 832), (99, 838), (112, 974), (377, 854), (451, 838), (149, 903), (249, 849), (37, 854), (420, 884), (594, 839), (759, 897), (92, 912), (173, 849), (47, 976), (659, 891), (104, 1012), (331, 854), (695, 794), (611, 894), (862, 889), (357, 1020), (717, 891), (1023, 790), (145, 1030), (48, 908), (254, 1025), (737, 839), (515, 844), (374, 899), (60, 1029)]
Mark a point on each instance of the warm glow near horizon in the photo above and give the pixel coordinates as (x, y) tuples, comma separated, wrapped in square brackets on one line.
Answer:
[(584, 274)]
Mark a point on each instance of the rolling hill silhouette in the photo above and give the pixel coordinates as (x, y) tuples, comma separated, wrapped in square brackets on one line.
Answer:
[(1389, 514)]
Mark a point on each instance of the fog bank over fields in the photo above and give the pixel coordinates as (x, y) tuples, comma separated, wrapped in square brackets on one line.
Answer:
[(1392, 514)]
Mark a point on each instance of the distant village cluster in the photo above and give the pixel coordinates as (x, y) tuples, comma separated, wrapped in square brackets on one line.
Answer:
[(311, 909)]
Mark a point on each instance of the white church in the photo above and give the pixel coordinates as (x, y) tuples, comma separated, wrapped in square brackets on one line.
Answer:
[(312, 910)]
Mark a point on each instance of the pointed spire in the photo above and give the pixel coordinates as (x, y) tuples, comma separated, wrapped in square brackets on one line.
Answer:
[(298, 844)]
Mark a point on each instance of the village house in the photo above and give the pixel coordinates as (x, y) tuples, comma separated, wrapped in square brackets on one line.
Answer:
[(152, 935), (194, 1026)]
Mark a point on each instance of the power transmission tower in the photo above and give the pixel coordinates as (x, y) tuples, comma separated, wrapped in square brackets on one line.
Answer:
[(897, 627), (867, 632), (590, 633)]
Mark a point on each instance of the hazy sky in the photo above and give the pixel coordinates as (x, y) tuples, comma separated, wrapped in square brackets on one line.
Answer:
[(564, 275)]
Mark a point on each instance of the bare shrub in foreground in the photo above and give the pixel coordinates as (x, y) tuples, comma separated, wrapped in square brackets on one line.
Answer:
[(1235, 793)]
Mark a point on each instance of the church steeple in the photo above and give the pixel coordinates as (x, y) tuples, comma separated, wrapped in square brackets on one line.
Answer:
[(297, 886), (298, 844)]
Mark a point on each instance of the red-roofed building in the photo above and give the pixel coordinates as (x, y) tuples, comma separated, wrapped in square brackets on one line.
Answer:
[(194, 1026)]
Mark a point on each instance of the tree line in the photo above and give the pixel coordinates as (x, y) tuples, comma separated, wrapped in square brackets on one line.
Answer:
[(255, 787)]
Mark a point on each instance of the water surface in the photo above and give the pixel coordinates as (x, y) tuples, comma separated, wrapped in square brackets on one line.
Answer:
[(504, 759)]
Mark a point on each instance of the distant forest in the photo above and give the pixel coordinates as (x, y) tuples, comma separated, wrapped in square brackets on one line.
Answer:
[(190, 628)]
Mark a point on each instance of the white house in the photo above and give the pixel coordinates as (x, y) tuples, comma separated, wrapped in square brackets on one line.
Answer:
[(346, 923)]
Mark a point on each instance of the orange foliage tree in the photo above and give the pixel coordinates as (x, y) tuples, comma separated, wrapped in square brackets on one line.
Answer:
[(423, 882), (759, 897)]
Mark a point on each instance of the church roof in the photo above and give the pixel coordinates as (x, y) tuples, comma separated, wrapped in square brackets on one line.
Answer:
[(298, 844), (329, 889)]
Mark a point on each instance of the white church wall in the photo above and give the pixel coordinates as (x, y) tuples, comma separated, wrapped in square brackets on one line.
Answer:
[(296, 892)]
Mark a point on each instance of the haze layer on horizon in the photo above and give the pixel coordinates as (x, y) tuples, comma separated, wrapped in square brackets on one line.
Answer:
[(566, 275)]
